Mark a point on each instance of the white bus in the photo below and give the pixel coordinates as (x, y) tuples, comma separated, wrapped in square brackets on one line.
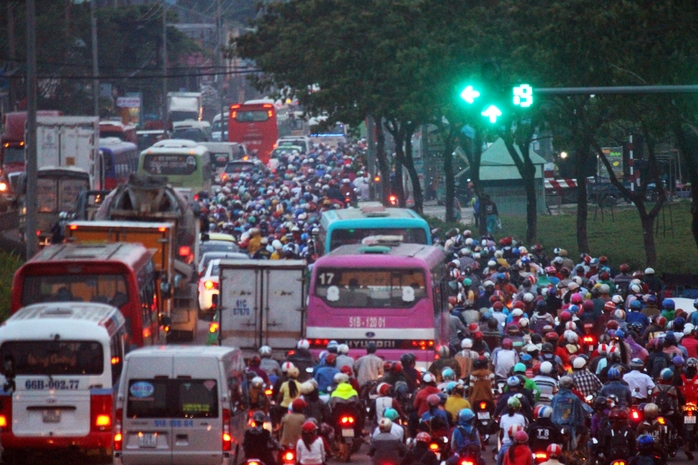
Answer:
[(60, 366)]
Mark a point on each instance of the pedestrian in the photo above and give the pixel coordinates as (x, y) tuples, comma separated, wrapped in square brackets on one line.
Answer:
[(491, 214)]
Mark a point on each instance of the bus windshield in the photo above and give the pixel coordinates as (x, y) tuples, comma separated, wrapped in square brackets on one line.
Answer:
[(13, 155), (170, 165), (370, 288), (55, 357), (342, 237), (105, 288)]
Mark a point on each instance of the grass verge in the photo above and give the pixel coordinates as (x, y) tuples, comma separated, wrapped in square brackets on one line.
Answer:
[(619, 238), (8, 265)]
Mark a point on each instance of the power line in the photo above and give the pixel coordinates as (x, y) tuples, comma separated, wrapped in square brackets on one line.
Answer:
[(150, 76)]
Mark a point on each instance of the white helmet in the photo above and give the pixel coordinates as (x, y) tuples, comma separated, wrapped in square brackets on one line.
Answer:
[(466, 343), (343, 349), (528, 297), (579, 363), (265, 351), (546, 368), (287, 366), (303, 344)]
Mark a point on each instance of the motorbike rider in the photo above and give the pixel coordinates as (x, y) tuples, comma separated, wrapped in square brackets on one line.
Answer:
[(435, 420), (554, 452), (310, 448), (324, 375), (519, 453), (420, 453), (465, 440), (258, 442), (651, 426), (646, 454), (512, 417), (444, 360), (481, 383), (515, 389), (504, 358), (369, 367), (456, 400), (640, 384), (270, 366), (302, 358), (291, 423), (546, 380), (383, 402), (397, 430), (617, 440), (466, 357), (569, 411), (344, 400), (668, 397), (587, 383), (615, 386), (343, 358), (254, 366), (258, 399), (316, 408), (385, 448), (543, 432)]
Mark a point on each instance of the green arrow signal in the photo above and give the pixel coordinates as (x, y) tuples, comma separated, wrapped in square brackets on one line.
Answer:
[(469, 94), (492, 113)]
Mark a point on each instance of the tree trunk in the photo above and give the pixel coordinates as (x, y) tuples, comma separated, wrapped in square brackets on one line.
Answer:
[(399, 138), (448, 174), (414, 176), (689, 156), (383, 164), (648, 236), (531, 203), (582, 154)]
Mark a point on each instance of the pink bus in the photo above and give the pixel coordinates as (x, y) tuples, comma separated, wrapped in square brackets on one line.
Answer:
[(395, 296)]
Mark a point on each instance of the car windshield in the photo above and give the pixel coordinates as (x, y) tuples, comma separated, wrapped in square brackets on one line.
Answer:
[(172, 398), (218, 246)]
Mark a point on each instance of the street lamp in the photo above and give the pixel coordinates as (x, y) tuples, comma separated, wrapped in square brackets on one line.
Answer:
[(563, 155)]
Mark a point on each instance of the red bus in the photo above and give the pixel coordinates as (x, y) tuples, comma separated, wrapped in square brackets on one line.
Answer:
[(253, 123), (120, 274)]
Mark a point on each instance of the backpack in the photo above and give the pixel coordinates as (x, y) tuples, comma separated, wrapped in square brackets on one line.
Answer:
[(663, 398), (618, 445), (658, 364), (436, 423)]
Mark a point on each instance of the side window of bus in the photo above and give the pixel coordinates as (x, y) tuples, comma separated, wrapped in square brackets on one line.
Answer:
[(117, 355)]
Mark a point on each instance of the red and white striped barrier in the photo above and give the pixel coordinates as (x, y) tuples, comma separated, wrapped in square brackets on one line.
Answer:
[(560, 184)]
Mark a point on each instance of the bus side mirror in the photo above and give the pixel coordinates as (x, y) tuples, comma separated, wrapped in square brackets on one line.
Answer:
[(214, 300)]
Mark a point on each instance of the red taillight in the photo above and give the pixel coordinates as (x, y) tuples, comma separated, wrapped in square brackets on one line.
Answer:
[(467, 462), (118, 438), (100, 412), (347, 421), (635, 415), (73, 227), (289, 456), (541, 456), (618, 462), (184, 251), (6, 414), (268, 392), (661, 421), (213, 327), (227, 438), (588, 339), (483, 405), (434, 446)]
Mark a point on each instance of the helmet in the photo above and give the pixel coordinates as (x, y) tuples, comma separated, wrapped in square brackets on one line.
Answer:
[(308, 387), (384, 389), (331, 360), (619, 314), (566, 382), (519, 368), (513, 402), (286, 366), (666, 374), (480, 362), (528, 297), (303, 344), (651, 411), (692, 362), (636, 305), (309, 426), (565, 316), (513, 381), (578, 363), (521, 437), (298, 405), (466, 343), (391, 414), (428, 378), (600, 402), (448, 374), (265, 351), (668, 304), (677, 360), (661, 321), (423, 437), (340, 378), (613, 374), (636, 363), (257, 382), (259, 417), (507, 344), (407, 359), (542, 411), (546, 368), (554, 450), (618, 415), (433, 400), (255, 361), (385, 425), (342, 349), (293, 372), (645, 442), (649, 271), (466, 415), (443, 351)]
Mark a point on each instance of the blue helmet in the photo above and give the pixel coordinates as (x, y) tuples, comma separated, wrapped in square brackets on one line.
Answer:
[(465, 416), (391, 414), (613, 374), (668, 304), (645, 442), (636, 305)]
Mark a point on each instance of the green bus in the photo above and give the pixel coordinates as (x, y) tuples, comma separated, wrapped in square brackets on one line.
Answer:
[(184, 163)]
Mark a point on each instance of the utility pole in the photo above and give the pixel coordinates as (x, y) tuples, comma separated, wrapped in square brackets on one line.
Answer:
[(31, 201), (164, 64), (219, 64), (95, 57)]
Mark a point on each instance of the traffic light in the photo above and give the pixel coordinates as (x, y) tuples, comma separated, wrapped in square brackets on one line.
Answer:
[(490, 104)]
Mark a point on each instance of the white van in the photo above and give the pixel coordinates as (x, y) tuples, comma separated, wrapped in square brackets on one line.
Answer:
[(180, 405)]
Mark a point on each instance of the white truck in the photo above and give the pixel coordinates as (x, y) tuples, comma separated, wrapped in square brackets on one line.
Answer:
[(70, 141), (262, 302), (182, 106)]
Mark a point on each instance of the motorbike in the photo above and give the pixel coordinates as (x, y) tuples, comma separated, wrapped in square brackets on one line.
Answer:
[(439, 446), (287, 456), (588, 338), (635, 416), (669, 436), (484, 423), (347, 442), (690, 412)]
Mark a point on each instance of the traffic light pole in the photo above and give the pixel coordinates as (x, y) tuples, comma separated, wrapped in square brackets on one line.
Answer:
[(615, 90)]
